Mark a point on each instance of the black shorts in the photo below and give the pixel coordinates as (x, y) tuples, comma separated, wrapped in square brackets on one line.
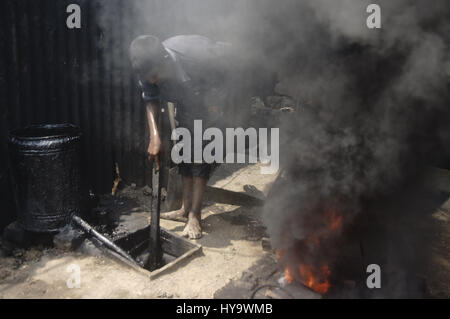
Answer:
[(196, 170)]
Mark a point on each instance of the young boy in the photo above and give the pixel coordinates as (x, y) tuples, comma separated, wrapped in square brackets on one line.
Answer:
[(184, 70)]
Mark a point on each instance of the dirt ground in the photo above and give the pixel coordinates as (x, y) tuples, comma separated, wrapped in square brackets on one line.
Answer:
[(232, 254), (231, 244)]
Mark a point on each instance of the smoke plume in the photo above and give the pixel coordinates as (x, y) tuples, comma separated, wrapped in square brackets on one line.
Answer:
[(373, 103)]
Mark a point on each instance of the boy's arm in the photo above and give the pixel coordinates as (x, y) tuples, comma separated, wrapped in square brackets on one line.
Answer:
[(154, 147)]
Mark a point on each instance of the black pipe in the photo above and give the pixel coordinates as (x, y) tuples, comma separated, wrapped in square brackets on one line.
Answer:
[(91, 231)]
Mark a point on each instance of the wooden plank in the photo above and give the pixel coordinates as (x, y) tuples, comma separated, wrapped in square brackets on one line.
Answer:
[(175, 245), (224, 196), (170, 265)]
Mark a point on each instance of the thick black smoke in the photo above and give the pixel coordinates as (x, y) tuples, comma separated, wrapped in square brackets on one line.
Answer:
[(375, 113), (373, 100), (374, 103)]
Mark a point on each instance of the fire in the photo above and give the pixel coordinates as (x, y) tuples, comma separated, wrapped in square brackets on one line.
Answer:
[(315, 274), (288, 277), (315, 280), (319, 283)]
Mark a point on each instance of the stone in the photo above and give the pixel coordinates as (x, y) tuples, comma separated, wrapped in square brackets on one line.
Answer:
[(7, 248), (17, 235), (147, 191), (265, 243)]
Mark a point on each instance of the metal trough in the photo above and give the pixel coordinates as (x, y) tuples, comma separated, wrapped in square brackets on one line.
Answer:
[(175, 249)]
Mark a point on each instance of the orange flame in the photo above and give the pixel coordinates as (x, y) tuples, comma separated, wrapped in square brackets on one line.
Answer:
[(288, 277), (317, 279), (319, 283)]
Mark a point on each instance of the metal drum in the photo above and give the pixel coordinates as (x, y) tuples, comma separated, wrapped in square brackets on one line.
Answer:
[(45, 163)]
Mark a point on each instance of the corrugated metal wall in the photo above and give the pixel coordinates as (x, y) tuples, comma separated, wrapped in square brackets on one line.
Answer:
[(6, 208), (52, 74)]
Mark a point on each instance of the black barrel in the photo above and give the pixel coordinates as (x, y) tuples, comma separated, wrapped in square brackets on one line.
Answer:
[(45, 161)]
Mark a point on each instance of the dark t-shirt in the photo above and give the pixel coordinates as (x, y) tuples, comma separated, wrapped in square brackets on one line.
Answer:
[(200, 81)]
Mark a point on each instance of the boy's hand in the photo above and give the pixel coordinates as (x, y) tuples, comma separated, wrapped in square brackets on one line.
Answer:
[(154, 148)]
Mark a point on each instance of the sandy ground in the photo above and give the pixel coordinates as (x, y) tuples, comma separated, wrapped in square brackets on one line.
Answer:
[(230, 246)]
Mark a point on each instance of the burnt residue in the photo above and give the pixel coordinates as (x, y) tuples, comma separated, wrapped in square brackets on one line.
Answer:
[(47, 173)]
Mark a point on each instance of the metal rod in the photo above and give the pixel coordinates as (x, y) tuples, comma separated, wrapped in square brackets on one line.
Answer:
[(155, 253), (90, 230), (154, 260)]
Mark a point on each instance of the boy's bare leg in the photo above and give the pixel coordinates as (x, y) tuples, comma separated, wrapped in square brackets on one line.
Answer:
[(181, 215), (193, 228)]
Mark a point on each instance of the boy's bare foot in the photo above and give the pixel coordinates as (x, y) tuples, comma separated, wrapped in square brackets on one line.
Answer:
[(193, 229), (176, 215)]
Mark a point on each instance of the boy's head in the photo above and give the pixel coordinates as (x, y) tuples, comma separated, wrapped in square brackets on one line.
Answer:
[(148, 57)]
